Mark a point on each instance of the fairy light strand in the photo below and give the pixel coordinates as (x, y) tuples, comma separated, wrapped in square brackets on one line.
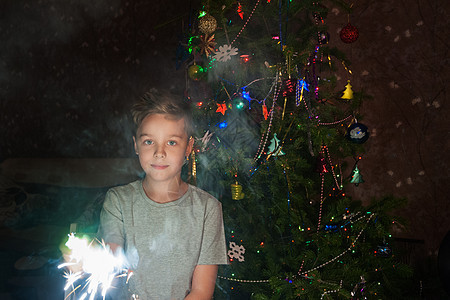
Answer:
[(243, 280), (336, 122), (262, 144), (246, 22), (333, 291), (304, 274), (321, 202), (332, 167)]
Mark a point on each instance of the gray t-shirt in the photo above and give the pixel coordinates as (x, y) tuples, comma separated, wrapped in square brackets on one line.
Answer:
[(163, 241)]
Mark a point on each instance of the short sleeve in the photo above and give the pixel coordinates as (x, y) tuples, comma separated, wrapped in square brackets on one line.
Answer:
[(111, 229), (213, 248)]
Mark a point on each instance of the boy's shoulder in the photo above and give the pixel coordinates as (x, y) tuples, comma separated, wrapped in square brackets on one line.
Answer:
[(203, 197), (132, 187)]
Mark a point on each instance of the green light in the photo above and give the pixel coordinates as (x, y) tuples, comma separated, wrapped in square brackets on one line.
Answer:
[(202, 14)]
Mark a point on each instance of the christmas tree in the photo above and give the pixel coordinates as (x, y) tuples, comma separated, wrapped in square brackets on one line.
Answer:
[(274, 140)]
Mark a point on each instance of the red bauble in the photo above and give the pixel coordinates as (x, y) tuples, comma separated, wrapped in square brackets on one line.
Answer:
[(349, 34)]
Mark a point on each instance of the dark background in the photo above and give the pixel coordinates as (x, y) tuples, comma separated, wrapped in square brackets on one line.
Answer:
[(69, 71)]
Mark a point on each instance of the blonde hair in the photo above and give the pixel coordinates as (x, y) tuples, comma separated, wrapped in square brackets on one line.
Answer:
[(156, 102)]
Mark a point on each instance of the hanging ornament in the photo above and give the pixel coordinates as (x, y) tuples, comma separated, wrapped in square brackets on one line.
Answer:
[(192, 169), (195, 72), (225, 52), (205, 140), (356, 176), (359, 290), (240, 11), (349, 34), (289, 87), (207, 24), (207, 44), (264, 111), (323, 38), (236, 252), (348, 92), (221, 108), (357, 133), (322, 166), (275, 147), (383, 250), (236, 191), (239, 103)]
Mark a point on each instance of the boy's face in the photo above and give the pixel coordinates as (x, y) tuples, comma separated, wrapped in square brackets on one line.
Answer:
[(162, 144)]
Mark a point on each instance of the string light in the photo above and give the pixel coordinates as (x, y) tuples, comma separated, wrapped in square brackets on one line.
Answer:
[(246, 22), (305, 273), (271, 113), (243, 280), (321, 201), (332, 168), (336, 122), (333, 291)]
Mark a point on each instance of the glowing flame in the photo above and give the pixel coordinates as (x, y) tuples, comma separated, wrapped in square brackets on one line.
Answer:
[(97, 264)]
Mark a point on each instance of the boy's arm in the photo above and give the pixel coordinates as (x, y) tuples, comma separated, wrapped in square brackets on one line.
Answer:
[(203, 282)]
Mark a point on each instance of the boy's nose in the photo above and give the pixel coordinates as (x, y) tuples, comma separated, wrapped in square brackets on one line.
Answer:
[(159, 152)]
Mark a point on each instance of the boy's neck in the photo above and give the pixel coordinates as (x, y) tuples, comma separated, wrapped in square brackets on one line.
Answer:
[(163, 192)]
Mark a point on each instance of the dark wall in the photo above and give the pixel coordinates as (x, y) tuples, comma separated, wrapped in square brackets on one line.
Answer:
[(70, 69), (401, 59)]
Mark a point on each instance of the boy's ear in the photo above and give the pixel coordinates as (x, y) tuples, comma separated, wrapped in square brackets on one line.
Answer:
[(190, 146), (135, 146)]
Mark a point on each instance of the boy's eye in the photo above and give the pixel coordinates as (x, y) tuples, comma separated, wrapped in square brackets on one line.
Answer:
[(148, 142), (171, 143)]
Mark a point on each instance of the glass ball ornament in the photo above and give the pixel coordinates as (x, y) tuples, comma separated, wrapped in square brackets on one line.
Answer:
[(207, 24), (358, 133), (195, 72), (349, 34), (240, 103)]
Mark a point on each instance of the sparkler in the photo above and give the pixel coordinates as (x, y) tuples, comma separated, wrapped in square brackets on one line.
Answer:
[(96, 263)]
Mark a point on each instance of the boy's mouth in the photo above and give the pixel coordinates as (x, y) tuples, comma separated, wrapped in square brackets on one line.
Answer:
[(159, 167)]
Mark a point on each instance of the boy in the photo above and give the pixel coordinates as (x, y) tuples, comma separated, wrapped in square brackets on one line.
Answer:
[(171, 232)]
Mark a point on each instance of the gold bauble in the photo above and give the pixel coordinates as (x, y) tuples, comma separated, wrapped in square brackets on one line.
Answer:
[(207, 24), (195, 72)]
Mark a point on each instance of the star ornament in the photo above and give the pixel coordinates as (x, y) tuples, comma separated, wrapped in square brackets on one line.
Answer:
[(225, 52), (221, 108), (207, 44)]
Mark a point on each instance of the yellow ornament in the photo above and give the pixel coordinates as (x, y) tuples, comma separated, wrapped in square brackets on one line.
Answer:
[(195, 72), (192, 178), (348, 93), (236, 191), (207, 24)]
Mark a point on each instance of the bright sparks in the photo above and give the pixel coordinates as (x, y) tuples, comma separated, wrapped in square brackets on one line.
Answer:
[(95, 264)]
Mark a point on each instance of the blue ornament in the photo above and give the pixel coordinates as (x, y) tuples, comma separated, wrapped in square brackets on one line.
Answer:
[(357, 133)]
